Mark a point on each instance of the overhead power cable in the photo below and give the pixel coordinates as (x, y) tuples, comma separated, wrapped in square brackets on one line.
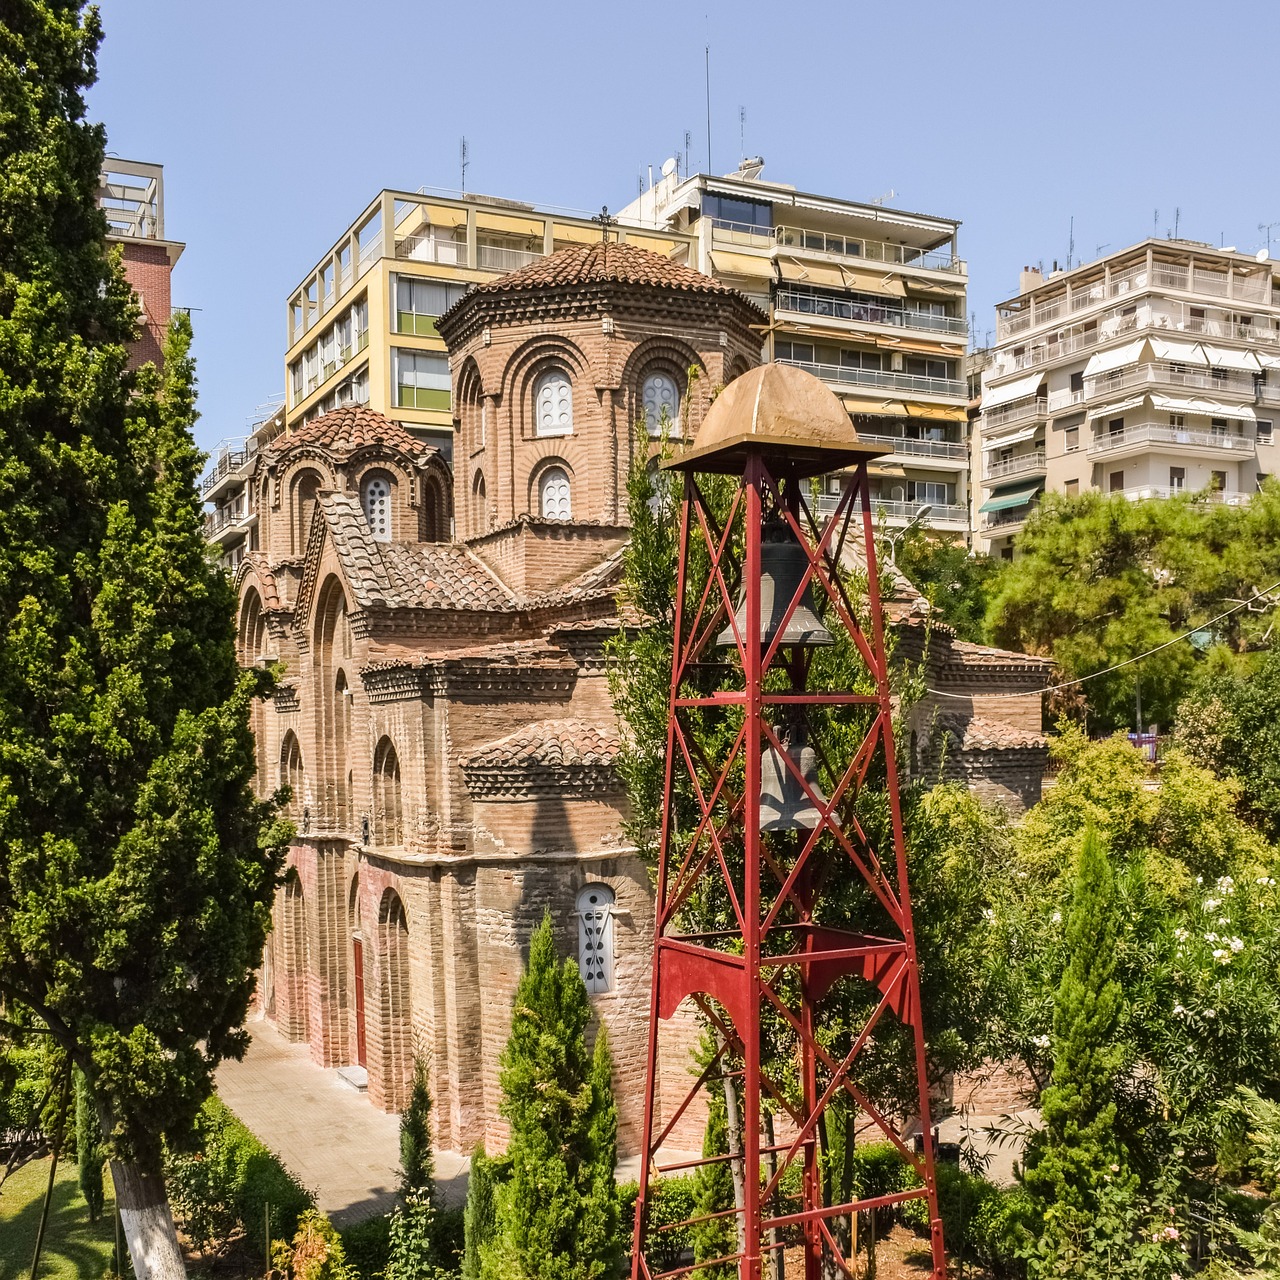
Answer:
[(1067, 684)]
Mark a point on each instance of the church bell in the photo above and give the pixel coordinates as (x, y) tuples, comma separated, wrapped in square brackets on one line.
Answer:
[(783, 563), (784, 806)]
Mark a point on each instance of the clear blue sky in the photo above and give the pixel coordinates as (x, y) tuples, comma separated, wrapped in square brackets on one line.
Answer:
[(278, 120)]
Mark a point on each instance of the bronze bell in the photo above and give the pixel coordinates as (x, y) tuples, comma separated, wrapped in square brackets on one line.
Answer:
[(783, 562), (784, 806)]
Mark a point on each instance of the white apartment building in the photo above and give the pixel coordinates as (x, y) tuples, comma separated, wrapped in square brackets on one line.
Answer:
[(870, 299), (1153, 371)]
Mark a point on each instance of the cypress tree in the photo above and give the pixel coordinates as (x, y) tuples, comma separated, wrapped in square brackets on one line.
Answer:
[(136, 867), (477, 1222), (713, 1193), (1077, 1163), (552, 1219), (88, 1148), (417, 1164)]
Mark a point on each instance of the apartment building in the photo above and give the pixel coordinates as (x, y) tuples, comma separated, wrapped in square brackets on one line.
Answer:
[(131, 195), (1150, 372), (362, 324), (870, 299)]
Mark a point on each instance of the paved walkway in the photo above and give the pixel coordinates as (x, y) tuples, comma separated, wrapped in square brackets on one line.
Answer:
[(326, 1131)]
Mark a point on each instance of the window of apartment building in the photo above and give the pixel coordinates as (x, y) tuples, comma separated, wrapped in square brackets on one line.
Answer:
[(1177, 479), (1196, 319), (935, 492), (1071, 487), (421, 379), (1115, 426), (1077, 380), (1115, 482), (1177, 420), (553, 494), (1218, 481), (923, 367), (595, 937), (1264, 431), (419, 302), (553, 404), (1261, 479), (727, 210), (1071, 440), (295, 382), (1218, 426), (353, 390)]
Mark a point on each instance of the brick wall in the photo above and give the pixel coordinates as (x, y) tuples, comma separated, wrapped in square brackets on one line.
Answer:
[(147, 269)]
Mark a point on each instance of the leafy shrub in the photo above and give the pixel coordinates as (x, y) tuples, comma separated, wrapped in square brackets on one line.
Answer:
[(999, 1228), (231, 1180), (316, 1252), (671, 1200), (367, 1245)]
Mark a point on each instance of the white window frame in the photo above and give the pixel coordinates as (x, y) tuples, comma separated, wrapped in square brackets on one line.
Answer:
[(653, 414), (366, 486), (552, 429), (550, 474), (595, 909)]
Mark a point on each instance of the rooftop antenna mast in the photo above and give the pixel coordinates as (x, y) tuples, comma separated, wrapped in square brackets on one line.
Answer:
[(1155, 224), (688, 151), (742, 133), (1266, 228), (1177, 218), (463, 162), (1071, 242), (707, 68)]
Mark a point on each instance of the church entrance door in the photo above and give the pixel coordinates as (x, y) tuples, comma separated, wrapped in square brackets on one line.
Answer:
[(357, 957)]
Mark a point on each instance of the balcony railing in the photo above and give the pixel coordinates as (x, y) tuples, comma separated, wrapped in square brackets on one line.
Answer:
[(1026, 464), (493, 257), (1004, 520), (1228, 498), (825, 242), (917, 384), (1162, 434), (1169, 375), (229, 457), (432, 248), (868, 313), (949, 450), (1064, 399), (939, 512), (1019, 411), (216, 522)]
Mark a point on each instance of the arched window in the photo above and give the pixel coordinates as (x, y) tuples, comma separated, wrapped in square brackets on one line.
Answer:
[(595, 937), (660, 397), (387, 823), (553, 404), (375, 497), (553, 493), (291, 773)]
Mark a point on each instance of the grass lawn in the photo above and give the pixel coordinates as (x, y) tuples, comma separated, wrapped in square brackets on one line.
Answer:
[(73, 1250)]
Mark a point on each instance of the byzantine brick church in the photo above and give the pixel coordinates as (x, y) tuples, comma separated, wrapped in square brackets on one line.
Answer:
[(444, 720)]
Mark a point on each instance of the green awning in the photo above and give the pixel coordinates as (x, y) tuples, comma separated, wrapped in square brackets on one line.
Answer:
[(1012, 498)]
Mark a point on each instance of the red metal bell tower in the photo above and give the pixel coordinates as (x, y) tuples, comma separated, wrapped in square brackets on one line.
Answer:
[(779, 717)]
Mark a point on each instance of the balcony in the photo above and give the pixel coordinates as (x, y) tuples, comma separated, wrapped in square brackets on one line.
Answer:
[(493, 257), (916, 384), (939, 513), (229, 460), (224, 526), (800, 240), (1026, 464), (1227, 498), (937, 450), (807, 304), (1007, 415), (1063, 400), (1170, 375), (1165, 436)]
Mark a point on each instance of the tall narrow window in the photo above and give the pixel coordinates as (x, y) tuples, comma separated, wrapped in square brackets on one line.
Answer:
[(660, 397), (553, 404), (554, 493), (595, 937), (387, 820), (375, 497), (291, 774)]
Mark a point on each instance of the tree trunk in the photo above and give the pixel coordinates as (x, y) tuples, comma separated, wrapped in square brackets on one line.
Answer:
[(733, 1124), (147, 1222)]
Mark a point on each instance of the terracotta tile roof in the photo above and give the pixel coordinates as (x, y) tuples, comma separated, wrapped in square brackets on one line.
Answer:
[(548, 744), (987, 655), (345, 430), (980, 734), (602, 263), (441, 575)]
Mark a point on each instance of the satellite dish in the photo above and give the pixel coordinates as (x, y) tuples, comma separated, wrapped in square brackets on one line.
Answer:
[(1261, 256), (668, 167)]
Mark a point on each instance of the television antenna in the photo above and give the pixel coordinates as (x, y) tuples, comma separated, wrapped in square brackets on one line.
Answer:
[(1071, 241), (888, 195), (463, 161), (1266, 228)]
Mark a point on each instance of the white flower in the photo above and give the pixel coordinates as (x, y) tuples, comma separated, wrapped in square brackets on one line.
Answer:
[(1209, 1013), (1236, 944), (1199, 879), (1211, 937), (1040, 1042), (1180, 934), (988, 914), (1211, 903), (1056, 918), (1177, 1008), (1115, 1168), (1222, 956), (1223, 920), (1226, 884), (1022, 875)]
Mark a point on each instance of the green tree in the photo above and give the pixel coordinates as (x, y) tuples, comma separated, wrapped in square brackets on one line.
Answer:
[(1078, 1156), (1099, 579), (713, 1193), (478, 1222), (556, 1215), (136, 867), (88, 1148), (956, 581), (417, 1164)]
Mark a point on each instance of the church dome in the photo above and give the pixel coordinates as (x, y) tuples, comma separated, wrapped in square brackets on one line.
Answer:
[(349, 429)]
